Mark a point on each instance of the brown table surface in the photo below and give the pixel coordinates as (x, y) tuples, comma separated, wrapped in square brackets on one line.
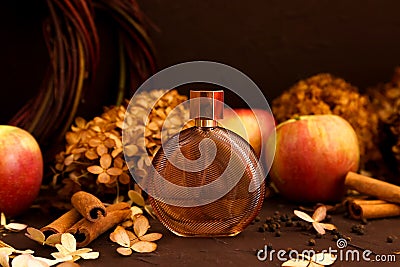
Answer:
[(231, 251)]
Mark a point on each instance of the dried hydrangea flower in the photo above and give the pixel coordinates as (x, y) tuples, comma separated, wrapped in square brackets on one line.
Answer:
[(318, 216), (327, 94), (386, 101), (93, 158)]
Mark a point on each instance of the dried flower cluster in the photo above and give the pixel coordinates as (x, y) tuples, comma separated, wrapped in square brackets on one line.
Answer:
[(67, 252), (326, 94), (318, 216), (386, 100), (93, 159), (137, 240), (151, 118)]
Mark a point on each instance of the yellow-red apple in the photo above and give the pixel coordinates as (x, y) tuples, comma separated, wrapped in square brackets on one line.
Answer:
[(254, 125), (21, 170), (313, 155)]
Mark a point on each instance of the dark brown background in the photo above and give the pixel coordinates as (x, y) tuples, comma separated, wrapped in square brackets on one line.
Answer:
[(275, 42)]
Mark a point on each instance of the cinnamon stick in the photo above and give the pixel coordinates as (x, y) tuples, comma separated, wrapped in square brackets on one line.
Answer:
[(373, 187), (86, 231), (62, 224), (372, 209), (89, 206)]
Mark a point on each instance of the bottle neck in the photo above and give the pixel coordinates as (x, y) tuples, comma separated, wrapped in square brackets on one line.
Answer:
[(207, 123)]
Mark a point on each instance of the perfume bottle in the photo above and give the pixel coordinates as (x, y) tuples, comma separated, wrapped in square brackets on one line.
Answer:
[(206, 179)]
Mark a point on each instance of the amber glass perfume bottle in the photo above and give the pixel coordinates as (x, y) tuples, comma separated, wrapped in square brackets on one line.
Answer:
[(206, 179)]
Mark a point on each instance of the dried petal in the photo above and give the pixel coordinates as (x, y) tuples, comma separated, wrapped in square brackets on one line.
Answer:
[(78, 150), (109, 143), (114, 171), (27, 260), (67, 250), (68, 242), (124, 251), (3, 220), (136, 210), (15, 226), (303, 216), (120, 237), (69, 160), (318, 227), (72, 138), (88, 255), (116, 152), (136, 198), (132, 237), (53, 239), (144, 247), (328, 226), (94, 142), (124, 178), (105, 161), (127, 224), (35, 235), (151, 237), (131, 150), (80, 122), (95, 169), (101, 149), (141, 226), (103, 178), (153, 126), (296, 263), (319, 213), (324, 258), (4, 245), (90, 154), (149, 210), (4, 256)]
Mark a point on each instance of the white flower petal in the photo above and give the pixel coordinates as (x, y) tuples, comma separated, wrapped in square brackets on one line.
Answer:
[(4, 258), (27, 251), (319, 213), (319, 228), (90, 255), (304, 216), (68, 242), (3, 220), (27, 260), (324, 258), (15, 226), (328, 226), (61, 256), (296, 263), (61, 250)]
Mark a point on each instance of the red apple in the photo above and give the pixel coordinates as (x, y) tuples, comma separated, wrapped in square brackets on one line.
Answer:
[(254, 125), (21, 170), (313, 155)]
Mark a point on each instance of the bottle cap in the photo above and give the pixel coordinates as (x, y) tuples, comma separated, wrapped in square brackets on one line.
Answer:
[(207, 105)]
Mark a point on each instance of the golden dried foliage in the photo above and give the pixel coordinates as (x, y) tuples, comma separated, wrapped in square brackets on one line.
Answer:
[(386, 100), (327, 94), (93, 159)]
